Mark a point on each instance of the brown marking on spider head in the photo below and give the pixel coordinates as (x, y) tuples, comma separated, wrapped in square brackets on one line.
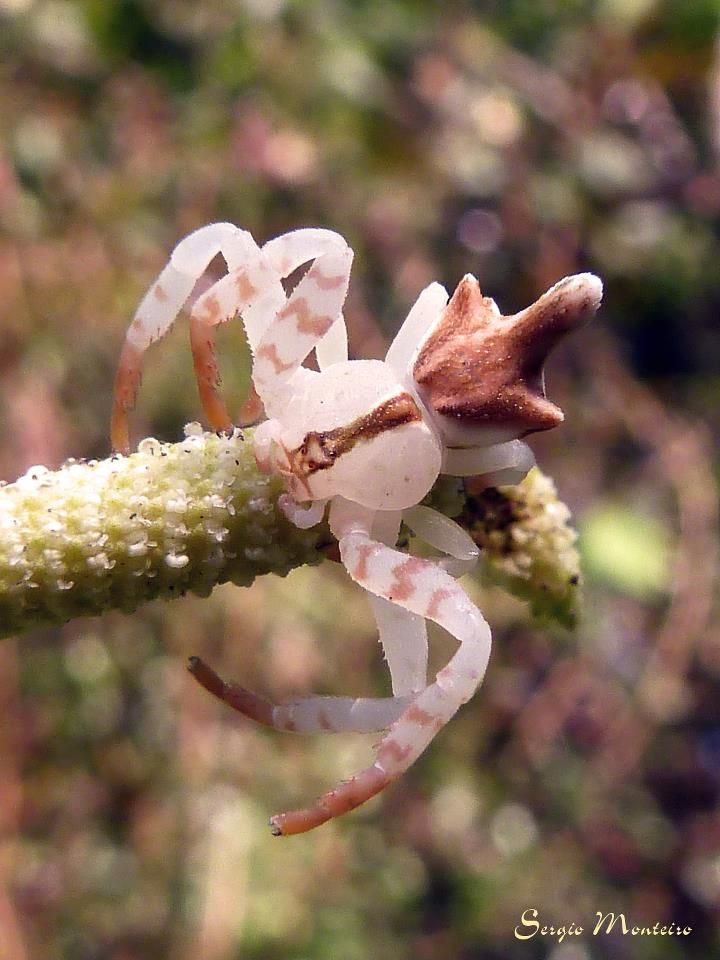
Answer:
[(482, 368), (159, 293), (319, 450)]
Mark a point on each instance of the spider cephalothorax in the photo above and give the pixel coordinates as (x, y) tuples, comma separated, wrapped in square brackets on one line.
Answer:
[(366, 440)]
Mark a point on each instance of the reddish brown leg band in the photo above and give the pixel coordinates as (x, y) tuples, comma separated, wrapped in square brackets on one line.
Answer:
[(350, 794), (202, 342), (246, 702), (127, 382)]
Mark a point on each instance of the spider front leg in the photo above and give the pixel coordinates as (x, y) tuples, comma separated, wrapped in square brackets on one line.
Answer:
[(291, 250), (498, 464), (312, 310), (445, 535), (425, 589), (402, 635), (162, 303), (423, 313), (404, 639), (253, 288), (313, 714)]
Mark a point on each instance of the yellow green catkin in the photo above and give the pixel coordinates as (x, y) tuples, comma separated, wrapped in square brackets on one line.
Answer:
[(529, 545), (112, 534)]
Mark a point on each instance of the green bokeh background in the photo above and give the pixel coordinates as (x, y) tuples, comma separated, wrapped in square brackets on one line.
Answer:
[(518, 140)]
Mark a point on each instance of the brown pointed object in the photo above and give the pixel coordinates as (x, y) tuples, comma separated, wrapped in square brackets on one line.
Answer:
[(480, 368)]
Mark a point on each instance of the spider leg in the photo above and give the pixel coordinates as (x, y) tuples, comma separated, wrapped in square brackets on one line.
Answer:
[(311, 714), (162, 303), (498, 464), (248, 288), (424, 312), (425, 589), (285, 254), (302, 515), (445, 535), (252, 409), (254, 289), (266, 433), (333, 347), (402, 635), (290, 250), (312, 309)]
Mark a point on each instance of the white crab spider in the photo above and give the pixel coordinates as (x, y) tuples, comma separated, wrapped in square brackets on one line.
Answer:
[(459, 386)]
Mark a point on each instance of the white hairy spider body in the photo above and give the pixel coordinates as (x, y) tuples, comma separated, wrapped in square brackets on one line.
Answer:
[(366, 440), (337, 427)]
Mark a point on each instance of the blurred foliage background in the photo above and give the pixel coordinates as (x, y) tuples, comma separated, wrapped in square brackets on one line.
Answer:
[(519, 140)]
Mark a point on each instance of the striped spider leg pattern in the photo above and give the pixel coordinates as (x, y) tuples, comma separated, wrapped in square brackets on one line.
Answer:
[(365, 440)]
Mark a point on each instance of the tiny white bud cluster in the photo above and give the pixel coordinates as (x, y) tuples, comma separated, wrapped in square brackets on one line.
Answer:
[(529, 544)]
